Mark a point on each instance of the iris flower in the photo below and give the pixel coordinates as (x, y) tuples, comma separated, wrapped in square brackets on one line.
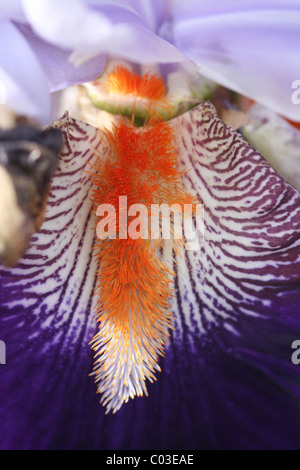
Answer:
[(227, 378)]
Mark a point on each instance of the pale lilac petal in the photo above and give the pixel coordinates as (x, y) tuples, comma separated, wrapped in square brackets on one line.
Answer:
[(112, 27), (277, 140), (252, 49), (23, 80), (12, 9), (61, 73), (153, 12)]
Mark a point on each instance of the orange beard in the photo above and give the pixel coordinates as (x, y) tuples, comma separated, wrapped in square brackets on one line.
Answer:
[(134, 283)]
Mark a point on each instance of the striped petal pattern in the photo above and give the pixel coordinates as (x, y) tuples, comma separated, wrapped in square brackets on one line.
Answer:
[(227, 380), (237, 304), (251, 255), (46, 300), (58, 292), (274, 137)]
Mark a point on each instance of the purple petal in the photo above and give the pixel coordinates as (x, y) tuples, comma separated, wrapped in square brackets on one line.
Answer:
[(25, 85), (57, 66), (111, 27), (239, 295), (50, 290), (251, 49), (12, 10), (153, 12), (217, 389), (250, 258)]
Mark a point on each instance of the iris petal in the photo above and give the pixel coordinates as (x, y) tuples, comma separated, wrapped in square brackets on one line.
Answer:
[(251, 255), (237, 297), (277, 140), (251, 49), (227, 379), (153, 12), (57, 287), (48, 294), (12, 10), (60, 72), (112, 27), (25, 87)]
